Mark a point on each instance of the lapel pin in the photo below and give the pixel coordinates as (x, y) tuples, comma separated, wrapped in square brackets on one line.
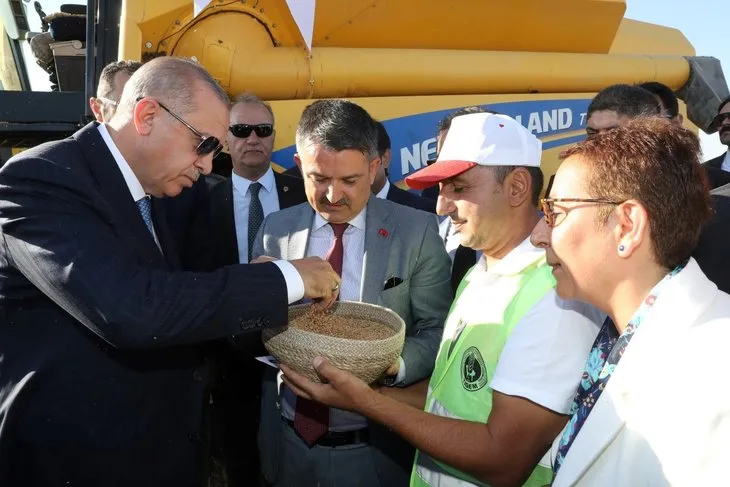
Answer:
[(383, 232), (285, 188)]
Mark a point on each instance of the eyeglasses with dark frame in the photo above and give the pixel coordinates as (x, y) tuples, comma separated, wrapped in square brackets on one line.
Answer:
[(243, 130), (548, 207), (208, 144)]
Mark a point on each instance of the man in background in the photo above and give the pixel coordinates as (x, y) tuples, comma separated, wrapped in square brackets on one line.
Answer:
[(718, 168), (617, 103), (383, 188), (668, 101)]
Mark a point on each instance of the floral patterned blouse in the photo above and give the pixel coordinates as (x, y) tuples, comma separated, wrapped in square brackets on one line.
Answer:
[(607, 350)]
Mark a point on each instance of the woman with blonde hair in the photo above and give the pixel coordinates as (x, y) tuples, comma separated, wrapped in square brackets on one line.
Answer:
[(623, 215)]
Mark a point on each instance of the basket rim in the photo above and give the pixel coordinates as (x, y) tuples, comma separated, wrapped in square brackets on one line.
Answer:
[(332, 339)]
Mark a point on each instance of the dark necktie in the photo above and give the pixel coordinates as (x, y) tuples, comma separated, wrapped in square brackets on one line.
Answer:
[(145, 209), (311, 419), (337, 251), (255, 215)]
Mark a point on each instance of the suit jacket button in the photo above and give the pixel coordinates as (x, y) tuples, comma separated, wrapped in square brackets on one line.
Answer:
[(194, 437), (197, 376)]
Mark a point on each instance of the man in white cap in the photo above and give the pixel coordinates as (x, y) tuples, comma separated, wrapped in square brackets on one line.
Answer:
[(512, 352)]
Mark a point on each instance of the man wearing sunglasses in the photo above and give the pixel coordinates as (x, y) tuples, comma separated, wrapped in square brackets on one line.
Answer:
[(238, 207), (104, 376), (719, 167), (512, 352)]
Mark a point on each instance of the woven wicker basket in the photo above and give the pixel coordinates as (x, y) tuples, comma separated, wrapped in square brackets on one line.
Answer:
[(367, 359)]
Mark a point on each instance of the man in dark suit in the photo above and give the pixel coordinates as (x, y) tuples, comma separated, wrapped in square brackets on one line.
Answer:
[(255, 190), (384, 189), (102, 380), (711, 252), (719, 175), (238, 206)]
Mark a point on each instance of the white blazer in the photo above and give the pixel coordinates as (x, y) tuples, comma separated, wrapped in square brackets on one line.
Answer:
[(664, 418)]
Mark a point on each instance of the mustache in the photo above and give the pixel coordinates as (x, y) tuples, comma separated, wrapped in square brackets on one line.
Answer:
[(325, 201)]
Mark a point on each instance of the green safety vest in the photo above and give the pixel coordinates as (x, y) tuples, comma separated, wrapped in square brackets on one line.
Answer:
[(459, 385)]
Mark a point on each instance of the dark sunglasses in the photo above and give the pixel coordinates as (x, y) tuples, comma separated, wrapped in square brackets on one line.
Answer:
[(548, 208), (208, 144), (243, 130), (719, 119)]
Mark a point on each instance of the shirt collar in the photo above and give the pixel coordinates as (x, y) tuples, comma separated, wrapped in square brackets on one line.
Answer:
[(267, 181), (357, 222), (383, 193), (135, 187), (519, 258)]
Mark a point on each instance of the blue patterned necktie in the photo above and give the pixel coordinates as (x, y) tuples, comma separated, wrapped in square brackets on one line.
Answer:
[(255, 215), (145, 209)]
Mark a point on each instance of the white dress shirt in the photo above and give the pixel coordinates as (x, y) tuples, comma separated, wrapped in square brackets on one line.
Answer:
[(294, 282), (321, 239), (726, 162), (135, 187), (242, 202), (383, 193)]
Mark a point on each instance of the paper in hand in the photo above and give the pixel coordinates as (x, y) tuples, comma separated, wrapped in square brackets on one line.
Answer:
[(269, 360)]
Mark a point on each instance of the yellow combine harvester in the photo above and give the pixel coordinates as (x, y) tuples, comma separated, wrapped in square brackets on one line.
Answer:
[(410, 62)]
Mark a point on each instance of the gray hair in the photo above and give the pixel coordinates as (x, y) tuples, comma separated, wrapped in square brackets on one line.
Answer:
[(250, 98), (174, 81), (338, 125)]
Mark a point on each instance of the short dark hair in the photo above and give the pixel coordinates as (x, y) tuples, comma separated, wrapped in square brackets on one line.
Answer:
[(338, 125), (106, 79), (666, 96), (538, 179), (657, 163), (383, 138), (625, 100), (445, 123)]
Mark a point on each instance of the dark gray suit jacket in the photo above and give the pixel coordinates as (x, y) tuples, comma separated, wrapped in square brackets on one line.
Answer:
[(399, 241)]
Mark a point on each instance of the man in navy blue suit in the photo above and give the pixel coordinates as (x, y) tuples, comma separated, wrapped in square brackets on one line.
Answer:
[(103, 379)]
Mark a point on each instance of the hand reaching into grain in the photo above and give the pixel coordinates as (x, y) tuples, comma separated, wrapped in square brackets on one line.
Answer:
[(321, 282)]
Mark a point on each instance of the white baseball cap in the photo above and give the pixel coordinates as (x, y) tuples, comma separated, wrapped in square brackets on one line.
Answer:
[(480, 139)]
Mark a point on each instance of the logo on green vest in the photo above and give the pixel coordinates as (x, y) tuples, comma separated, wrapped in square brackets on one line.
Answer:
[(473, 370)]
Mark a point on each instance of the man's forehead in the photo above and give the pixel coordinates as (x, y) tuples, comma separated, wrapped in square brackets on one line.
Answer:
[(725, 108), (251, 110), (603, 119)]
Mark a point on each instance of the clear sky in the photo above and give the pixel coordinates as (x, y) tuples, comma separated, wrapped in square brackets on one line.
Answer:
[(703, 22)]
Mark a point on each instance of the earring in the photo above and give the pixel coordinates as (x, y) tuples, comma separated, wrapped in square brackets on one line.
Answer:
[(621, 248)]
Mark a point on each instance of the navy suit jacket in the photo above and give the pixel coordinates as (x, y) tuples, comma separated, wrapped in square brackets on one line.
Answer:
[(102, 377), (403, 197), (711, 252), (715, 175)]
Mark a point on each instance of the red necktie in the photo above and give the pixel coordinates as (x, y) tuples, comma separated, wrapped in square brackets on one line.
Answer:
[(311, 419)]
